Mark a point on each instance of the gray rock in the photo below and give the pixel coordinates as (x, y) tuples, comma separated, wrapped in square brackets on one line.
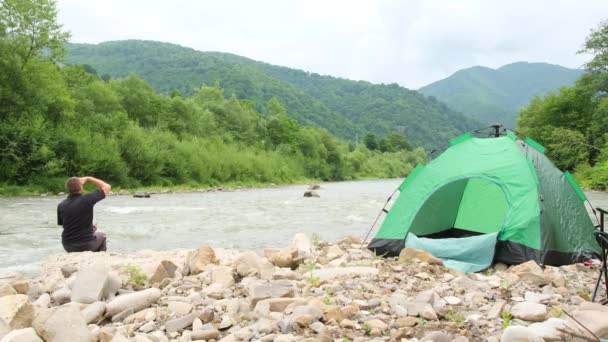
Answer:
[(311, 193), (16, 311), (43, 302), (93, 312), (136, 301), (260, 290), (249, 264), (209, 334), (22, 335), (198, 260), (166, 269), (62, 323), (223, 275), (180, 323), (436, 336), (61, 296), (308, 310), (141, 194), (519, 334), (67, 271), (90, 284)]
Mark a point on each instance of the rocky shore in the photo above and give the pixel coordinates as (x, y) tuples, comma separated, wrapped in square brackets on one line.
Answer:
[(308, 291)]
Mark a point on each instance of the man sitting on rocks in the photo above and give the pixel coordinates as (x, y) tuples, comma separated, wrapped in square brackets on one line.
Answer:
[(75, 214)]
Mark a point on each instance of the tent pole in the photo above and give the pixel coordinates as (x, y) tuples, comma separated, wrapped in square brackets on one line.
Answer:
[(378, 217)]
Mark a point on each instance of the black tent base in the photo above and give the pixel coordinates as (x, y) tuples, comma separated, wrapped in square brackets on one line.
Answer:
[(507, 252)]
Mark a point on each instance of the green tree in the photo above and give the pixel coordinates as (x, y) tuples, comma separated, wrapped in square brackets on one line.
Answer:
[(597, 45), (369, 140), (31, 26)]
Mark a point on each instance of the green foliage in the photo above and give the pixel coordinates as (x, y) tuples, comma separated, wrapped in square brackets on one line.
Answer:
[(454, 316), (66, 121), (370, 141), (496, 96), (597, 45), (135, 274), (29, 27), (345, 108), (573, 122), (506, 319)]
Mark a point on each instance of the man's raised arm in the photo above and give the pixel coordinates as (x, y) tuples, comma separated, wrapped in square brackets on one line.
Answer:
[(105, 187)]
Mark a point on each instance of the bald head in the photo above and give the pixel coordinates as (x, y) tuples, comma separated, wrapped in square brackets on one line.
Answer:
[(73, 186)]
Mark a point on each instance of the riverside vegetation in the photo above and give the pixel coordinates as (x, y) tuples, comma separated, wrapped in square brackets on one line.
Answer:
[(60, 120), (573, 122), (310, 291)]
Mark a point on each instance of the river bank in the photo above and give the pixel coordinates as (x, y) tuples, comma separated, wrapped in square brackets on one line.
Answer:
[(306, 291)]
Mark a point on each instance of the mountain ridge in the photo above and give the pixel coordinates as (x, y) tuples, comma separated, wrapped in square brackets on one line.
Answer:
[(496, 95), (345, 107)]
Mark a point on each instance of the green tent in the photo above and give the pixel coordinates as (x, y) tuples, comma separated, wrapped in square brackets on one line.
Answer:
[(484, 200)]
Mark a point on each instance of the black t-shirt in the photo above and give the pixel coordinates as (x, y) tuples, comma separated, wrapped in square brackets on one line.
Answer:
[(75, 214)]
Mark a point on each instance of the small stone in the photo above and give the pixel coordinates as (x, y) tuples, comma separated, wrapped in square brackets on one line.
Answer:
[(199, 259), (206, 335), (409, 255), (180, 323), (529, 311), (347, 324), (179, 308), (135, 301), (377, 324), (407, 322), (453, 300), (61, 296), (270, 289), (166, 269), (534, 297), (22, 335), (333, 252), (496, 309), (311, 193), (93, 312), (67, 271), (148, 327), (436, 336)]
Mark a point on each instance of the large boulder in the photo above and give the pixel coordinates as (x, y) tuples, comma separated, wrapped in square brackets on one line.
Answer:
[(409, 255), (135, 301), (22, 335), (198, 260), (62, 323), (91, 284), (595, 318), (250, 264), (166, 269), (16, 311)]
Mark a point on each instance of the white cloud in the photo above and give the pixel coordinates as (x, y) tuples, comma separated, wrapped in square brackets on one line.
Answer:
[(409, 42)]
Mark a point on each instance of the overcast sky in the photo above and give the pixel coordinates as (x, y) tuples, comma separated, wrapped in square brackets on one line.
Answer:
[(412, 43)]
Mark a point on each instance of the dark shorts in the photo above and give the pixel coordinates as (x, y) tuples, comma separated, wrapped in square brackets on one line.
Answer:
[(96, 245)]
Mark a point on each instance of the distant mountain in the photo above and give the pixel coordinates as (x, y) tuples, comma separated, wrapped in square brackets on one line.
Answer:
[(346, 108), (496, 96)]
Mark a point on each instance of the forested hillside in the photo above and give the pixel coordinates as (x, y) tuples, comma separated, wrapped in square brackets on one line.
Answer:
[(346, 108), (60, 121), (496, 96)]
